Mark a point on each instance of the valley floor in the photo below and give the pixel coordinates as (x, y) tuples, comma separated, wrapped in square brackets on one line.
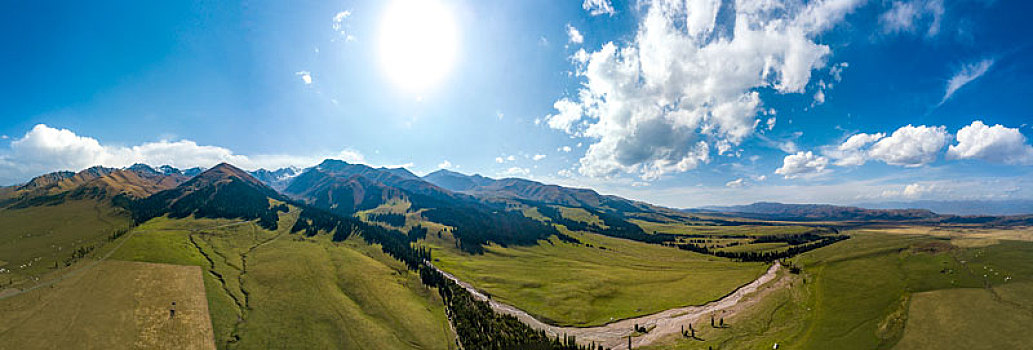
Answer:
[(600, 281)]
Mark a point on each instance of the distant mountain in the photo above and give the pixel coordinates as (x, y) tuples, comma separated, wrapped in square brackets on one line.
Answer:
[(521, 189), (193, 171), (341, 195), (223, 191), (277, 179), (344, 189), (457, 182), (98, 183), (962, 207), (820, 212)]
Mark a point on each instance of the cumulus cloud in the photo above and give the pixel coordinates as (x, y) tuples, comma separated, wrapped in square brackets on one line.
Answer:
[(687, 84), (802, 164), (564, 149), (538, 157), (996, 144), (568, 116), (853, 151), (910, 146), (574, 35), (46, 149), (965, 75), (598, 7), (737, 183), (341, 27), (906, 16), (305, 76), (445, 164)]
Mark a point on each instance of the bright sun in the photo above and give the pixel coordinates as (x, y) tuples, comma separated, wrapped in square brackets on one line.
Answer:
[(418, 43)]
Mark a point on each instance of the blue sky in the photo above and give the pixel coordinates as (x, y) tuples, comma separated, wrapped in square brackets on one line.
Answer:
[(675, 103)]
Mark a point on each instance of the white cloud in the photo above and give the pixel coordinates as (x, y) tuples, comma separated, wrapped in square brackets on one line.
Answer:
[(737, 183), (4, 137), (45, 149), (910, 146), (538, 157), (445, 164), (819, 98), (996, 144), (906, 16), (565, 173), (305, 75), (910, 191), (965, 75), (499, 114), (569, 114), (574, 35), (501, 160), (516, 171), (802, 164), (771, 123), (564, 149), (683, 86), (853, 151), (598, 7), (341, 27)]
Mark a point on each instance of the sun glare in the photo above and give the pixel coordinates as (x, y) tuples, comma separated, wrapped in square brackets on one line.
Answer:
[(418, 43)]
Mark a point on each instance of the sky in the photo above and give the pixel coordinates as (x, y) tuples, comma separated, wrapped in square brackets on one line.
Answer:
[(677, 103)]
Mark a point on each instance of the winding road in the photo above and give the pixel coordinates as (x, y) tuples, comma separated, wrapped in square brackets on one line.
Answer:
[(615, 335)]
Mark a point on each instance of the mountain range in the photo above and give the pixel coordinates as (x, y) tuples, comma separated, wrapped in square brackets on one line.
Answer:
[(475, 209)]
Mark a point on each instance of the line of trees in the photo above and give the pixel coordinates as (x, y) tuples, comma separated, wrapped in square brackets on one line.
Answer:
[(767, 256), (475, 227), (393, 219), (615, 226)]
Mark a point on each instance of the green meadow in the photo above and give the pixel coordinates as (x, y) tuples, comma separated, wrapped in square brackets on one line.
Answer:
[(879, 291), (38, 241), (273, 289), (602, 280)]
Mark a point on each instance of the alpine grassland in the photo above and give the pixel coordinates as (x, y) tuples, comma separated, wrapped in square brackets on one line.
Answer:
[(883, 290), (277, 289), (594, 282)]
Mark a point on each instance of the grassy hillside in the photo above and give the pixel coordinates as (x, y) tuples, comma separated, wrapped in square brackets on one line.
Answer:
[(274, 289), (597, 282), (37, 241), (885, 290), (115, 304)]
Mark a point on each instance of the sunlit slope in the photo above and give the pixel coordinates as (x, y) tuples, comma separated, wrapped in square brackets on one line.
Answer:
[(274, 289), (879, 291), (38, 241), (115, 304)]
